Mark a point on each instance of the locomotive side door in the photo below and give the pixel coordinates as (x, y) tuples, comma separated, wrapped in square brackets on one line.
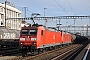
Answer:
[(42, 38)]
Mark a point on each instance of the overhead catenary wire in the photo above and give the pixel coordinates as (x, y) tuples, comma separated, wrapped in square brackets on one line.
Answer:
[(41, 6), (84, 10), (16, 6), (71, 7), (61, 7), (29, 10), (74, 11), (36, 4), (21, 8), (81, 12), (26, 11)]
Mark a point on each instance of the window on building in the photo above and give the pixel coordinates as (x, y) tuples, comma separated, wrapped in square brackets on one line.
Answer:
[(19, 15), (2, 16), (1, 9)]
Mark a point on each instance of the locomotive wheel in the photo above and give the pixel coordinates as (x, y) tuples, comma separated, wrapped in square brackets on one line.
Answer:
[(40, 50), (47, 48), (32, 51)]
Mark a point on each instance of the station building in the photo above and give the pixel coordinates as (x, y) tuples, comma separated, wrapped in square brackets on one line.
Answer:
[(11, 12)]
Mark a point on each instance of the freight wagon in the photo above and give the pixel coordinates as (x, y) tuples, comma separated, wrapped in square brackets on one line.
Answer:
[(9, 37)]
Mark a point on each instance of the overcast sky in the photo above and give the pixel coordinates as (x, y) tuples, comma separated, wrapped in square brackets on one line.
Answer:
[(55, 8)]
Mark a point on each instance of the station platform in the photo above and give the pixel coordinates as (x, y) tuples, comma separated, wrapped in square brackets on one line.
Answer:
[(6, 57), (84, 54)]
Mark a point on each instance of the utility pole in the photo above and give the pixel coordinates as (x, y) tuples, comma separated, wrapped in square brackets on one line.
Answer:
[(59, 28), (87, 31), (44, 16), (74, 26), (89, 20), (59, 25), (56, 23), (44, 11), (67, 26), (25, 11), (5, 13), (89, 24)]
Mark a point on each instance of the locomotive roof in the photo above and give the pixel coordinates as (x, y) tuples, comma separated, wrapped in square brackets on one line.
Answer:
[(29, 27)]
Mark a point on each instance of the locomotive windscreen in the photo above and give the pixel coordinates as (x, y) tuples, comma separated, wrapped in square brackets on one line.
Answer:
[(25, 32), (33, 32), (29, 32)]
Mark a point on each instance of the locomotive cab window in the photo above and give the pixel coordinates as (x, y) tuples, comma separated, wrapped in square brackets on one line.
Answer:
[(33, 32), (24, 32)]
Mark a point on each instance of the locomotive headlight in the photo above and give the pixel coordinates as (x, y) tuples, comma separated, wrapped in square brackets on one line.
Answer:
[(34, 43), (22, 39), (21, 43), (33, 39)]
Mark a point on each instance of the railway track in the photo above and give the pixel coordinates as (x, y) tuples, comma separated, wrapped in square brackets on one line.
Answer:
[(51, 55), (9, 51), (74, 53), (59, 52), (62, 53)]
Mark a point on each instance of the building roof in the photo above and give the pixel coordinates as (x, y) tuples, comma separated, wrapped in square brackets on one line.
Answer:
[(10, 7)]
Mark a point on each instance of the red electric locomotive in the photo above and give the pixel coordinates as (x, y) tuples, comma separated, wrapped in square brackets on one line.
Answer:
[(36, 38), (66, 38)]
